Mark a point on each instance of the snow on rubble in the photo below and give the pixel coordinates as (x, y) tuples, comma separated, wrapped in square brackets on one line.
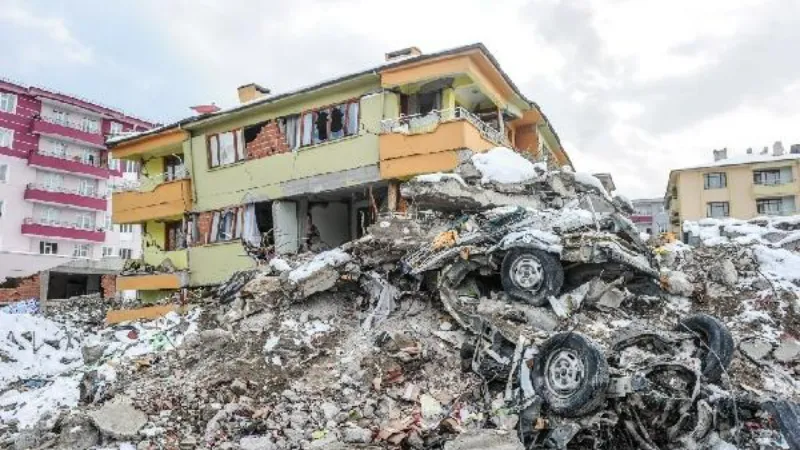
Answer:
[(503, 165), (330, 258)]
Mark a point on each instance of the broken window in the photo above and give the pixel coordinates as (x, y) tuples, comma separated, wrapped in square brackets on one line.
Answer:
[(290, 127), (174, 236), (715, 180), (326, 124), (717, 209), (321, 126), (421, 103), (173, 168), (226, 148)]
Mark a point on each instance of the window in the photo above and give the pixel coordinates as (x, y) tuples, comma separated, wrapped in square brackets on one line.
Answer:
[(174, 168), (225, 225), (108, 223), (772, 176), (225, 148), (90, 125), (87, 187), (775, 206), (81, 250), (59, 149), (717, 209), (115, 128), (8, 102), (48, 248), (60, 117), (290, 127), (89, 157), (113, 164), (130, 167), (108, 252), (125, 253), (174, 236), (4, 173), (715, 180), (53, 181), (6, 138), (85, 220), (2, 208), (331, 123), (126, 228), (50, 215)]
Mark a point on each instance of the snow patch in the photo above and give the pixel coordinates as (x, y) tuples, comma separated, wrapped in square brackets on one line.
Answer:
[(503, 165), (438, 177)]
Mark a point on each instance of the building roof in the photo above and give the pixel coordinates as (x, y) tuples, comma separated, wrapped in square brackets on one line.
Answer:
[(374, 70), (741, 160)]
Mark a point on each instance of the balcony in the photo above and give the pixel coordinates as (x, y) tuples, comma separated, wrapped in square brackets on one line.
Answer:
[(410, 145), (73, 198), (67, 130), (153, 282), (775, 188), (63, 164), (164, 200), (61, 230)]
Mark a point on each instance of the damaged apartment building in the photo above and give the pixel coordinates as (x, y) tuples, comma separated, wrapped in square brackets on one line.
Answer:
[(311, 168)]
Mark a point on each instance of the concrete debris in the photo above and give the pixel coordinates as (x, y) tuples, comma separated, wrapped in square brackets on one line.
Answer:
[(510, 316), (119, 419)]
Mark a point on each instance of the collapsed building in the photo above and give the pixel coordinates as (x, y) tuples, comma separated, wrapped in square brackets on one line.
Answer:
[(312, 168), (496, 312)]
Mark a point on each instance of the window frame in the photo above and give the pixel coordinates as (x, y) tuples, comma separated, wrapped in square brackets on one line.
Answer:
[(721, 176), (172, 241), (239, 151), (108, 251), (2, 208), (78, 250), (346, 128), (81, 223), (125, 253), (45, 245), (14, 103), (122, 227), (760, 177), (7, 132), (6, 173), (114, 125), (710, 208)]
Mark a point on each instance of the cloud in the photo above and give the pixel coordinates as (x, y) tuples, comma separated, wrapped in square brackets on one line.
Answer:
[(37, 39)]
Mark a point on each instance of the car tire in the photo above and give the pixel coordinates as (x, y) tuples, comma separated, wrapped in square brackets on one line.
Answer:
[(570, 373), (716, 336), (531, 275)]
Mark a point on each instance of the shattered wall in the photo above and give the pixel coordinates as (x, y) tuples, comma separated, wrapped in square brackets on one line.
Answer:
[(108, 284), (269, 141), (25, 288)]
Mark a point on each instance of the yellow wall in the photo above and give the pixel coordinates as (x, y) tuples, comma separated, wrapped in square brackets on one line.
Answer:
[(149, 145), (149, 282), (226, 186), (741, 192), (166, 200), (215, 263), (153, 254)]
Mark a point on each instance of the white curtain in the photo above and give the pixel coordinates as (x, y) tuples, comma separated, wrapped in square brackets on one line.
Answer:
[(308, 128), (250, 232), (352, 119), (227, 149), (240, 155), (214, 228), (213, 144), (237, 232)]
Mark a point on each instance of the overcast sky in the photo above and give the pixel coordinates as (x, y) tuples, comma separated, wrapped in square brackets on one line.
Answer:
[(633, 87)]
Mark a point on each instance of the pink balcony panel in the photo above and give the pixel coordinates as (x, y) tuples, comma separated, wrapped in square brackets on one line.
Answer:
[(56, 129), (62, 232), (68, 166), (35, 194), (641, 219)]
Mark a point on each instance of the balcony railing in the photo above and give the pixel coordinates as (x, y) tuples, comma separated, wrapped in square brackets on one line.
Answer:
[(62, 190), (81, 126), (62, 163), (62, 229), (149, 183), (426, 123)]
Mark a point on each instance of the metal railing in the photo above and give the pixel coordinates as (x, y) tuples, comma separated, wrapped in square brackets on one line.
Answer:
[(150, 182), (63, 190), (62, 224), (74, 158), (81, 126), (426, 123)]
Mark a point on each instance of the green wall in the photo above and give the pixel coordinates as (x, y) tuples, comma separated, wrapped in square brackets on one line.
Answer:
[(153, 254), (225, 186), (215, 263)]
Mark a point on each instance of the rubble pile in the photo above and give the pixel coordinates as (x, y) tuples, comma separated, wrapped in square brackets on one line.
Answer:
[(84, 311), (511, 307)]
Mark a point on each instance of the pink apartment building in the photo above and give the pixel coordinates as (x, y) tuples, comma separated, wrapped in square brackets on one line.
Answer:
[(56, 180)]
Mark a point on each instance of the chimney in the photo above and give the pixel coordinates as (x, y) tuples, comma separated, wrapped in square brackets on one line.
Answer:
[(777, 148), (795, 149), (251, 91), (749, 150), (720, 154), (403, 53), (201, 110), (765, 151)]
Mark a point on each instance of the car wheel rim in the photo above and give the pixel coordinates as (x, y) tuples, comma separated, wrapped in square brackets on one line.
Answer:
[(527, 273), (565, 373)]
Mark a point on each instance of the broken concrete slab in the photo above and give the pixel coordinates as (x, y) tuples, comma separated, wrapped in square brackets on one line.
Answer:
[(724, 272), (677, 283), (787, 351), (485, 440), (448, 194), (756, 349), (119, 419), (257, 443)]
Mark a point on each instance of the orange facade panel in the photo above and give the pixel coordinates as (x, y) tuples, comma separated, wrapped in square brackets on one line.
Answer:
[(167, 200), (405, 155), (149, 312), (152, 282), (147, 144)]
